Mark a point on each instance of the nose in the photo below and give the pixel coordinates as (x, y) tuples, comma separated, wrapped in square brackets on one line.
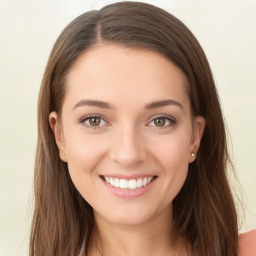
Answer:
[(128, 148)]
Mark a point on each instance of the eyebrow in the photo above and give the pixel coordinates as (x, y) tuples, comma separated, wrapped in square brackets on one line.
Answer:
[(163, 103), (105, 105), (92, 103)]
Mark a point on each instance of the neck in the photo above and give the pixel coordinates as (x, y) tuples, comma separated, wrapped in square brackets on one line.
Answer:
[(151, 238)]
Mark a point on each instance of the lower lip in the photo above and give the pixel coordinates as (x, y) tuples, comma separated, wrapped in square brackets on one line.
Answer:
[(129, 193)]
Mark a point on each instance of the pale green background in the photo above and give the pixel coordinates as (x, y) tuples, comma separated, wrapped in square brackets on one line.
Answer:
[(28, 29)]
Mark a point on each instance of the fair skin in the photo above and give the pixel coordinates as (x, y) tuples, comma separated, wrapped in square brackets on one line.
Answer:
[(140, 133)]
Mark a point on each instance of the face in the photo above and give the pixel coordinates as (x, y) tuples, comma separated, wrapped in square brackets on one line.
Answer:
[(126, 132)]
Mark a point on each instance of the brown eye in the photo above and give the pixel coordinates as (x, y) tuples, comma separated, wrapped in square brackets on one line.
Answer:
[(94, 121), (163, 122), (160, 121)]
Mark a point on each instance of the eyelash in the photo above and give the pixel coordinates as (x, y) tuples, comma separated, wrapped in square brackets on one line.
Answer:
[(88, 117), (171, 120)]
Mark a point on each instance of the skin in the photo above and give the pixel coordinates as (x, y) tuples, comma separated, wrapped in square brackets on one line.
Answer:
[(128, 141)]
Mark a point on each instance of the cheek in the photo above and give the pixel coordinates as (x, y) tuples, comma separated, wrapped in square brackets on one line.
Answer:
[(84, 154), (84, 150), (173, 157), (172, 150)]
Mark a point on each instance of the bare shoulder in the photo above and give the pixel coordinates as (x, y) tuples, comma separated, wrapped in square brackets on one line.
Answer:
[(247, 243)]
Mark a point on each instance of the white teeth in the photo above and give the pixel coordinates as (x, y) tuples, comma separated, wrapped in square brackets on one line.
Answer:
[(149, 179), (139, 182), (130, 184), (145, 181), (116, 183), (123, 183)]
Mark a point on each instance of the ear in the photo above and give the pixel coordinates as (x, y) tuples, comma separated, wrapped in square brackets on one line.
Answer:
[(58, 133), (197, 134)]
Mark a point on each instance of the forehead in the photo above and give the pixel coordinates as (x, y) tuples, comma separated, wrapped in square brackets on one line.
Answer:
[(124, 75)]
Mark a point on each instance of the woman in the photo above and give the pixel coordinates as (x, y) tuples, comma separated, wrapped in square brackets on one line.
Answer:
[(132, 155)]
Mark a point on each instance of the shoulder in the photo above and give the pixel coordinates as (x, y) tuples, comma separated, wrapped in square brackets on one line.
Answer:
[(247, 243)]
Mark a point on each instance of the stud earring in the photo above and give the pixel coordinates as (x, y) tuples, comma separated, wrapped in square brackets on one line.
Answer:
[(192, 154)]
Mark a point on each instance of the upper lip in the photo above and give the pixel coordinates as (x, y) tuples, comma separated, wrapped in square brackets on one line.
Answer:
[(128, 177)]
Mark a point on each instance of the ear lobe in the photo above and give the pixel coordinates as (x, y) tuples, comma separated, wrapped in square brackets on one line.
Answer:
[(58, 133), (197, 134)]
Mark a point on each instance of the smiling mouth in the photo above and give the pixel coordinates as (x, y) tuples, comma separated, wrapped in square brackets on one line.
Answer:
[(128, 184)]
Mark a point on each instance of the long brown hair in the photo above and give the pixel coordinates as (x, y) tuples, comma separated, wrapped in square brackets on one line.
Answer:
[(203, 211)]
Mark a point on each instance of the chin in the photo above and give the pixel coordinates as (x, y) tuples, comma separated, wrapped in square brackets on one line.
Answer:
[(130, 216)]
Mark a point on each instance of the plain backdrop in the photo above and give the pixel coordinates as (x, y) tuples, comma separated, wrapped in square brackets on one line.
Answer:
[(28, 30)]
